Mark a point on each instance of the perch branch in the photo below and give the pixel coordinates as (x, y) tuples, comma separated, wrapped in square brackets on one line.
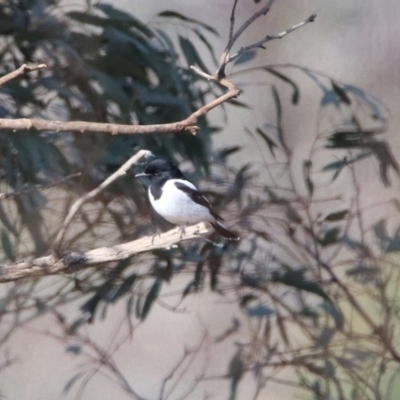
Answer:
[(135, 159), (71, 262), (22, 70)]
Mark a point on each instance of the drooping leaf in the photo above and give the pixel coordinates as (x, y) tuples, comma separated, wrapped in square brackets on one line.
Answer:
[(152, 295), (381, 233), (336, 216), (394, 244), (386, 160), (191, 54), (125, 288), (71, 382), (296, 91), (331, 236), (307, 165), (7, 245), (245, 57), (341, 92), (325, 337), (278, 107), (235, 372), (74, 349), (335, 313), (206, 42), (270, 143), (297, 280), (174, 14), (259, 311)]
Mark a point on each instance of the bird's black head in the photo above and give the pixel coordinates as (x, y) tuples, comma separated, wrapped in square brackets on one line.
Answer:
[(161, 170)]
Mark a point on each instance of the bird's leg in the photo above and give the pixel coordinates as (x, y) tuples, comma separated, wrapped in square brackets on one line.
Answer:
[(182, 229)]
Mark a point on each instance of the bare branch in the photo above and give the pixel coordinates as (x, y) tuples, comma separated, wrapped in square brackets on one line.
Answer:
[(75, 261), (138, 157), (260, 43), (252, 19), (227, 57), (234, 36), (22, 70), (188, 124), (232, 24)]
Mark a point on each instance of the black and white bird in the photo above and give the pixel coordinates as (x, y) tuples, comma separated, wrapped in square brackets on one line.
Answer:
[(178, 200)]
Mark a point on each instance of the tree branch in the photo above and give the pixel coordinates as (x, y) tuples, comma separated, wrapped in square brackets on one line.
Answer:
[(189, 124), (71, 262), (38, 188), (22, 70)]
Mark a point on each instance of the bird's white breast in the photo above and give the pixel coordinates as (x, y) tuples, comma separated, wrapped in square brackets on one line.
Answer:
[(177, 207)]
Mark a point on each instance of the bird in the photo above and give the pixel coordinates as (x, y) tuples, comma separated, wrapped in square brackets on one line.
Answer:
[(178, 200)]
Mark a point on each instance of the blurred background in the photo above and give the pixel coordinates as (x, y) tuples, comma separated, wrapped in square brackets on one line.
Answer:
[(266, 318)]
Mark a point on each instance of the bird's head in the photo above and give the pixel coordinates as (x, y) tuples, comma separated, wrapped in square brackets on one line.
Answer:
[(161, 170)]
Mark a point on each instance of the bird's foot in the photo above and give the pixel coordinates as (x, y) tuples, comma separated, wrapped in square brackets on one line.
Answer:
[(154, 236)]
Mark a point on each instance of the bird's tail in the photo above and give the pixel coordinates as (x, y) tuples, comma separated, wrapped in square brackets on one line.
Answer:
[(225, 232)]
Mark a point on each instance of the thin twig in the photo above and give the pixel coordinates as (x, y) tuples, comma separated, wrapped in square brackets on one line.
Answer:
[(22, 70), (251, 20), (232, 38), (232, 24), (38, 188), (260, 43), (138, 157)]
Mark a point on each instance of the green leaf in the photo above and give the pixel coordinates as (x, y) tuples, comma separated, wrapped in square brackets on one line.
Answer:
[(174, 14), (191, 54), (71, 382), (394, 244), (336, 216), (296, 91), (150, 298), (278, 107), (207, 44), (259, 311), (330, 237), (296, 279), (270, 143), (325, 337), (235, 372), (7, 245), (245, 57), (307, 165), (335, 313), (341, 92), (386, 160), (381, 232), (125, 287)]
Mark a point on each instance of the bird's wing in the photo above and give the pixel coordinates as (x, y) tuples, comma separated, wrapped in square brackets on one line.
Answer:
[(197, 197)]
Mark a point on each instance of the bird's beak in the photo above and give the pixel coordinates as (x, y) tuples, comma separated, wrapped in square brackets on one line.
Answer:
[(141, 175)]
